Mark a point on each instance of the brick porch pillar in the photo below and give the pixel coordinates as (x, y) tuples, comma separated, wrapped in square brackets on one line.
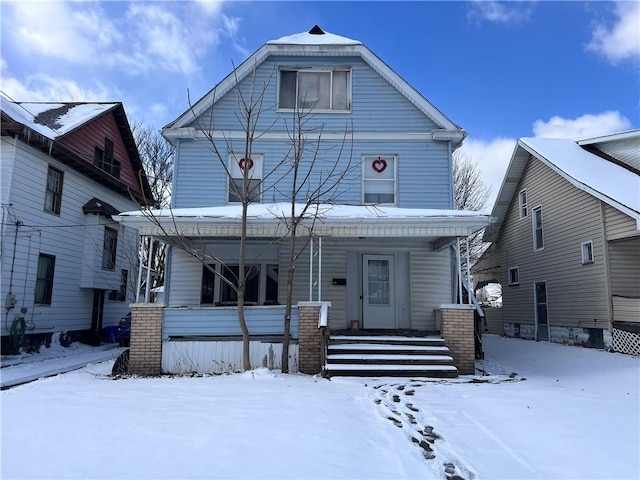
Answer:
[(457, 331), (310, 338), (145, 354)]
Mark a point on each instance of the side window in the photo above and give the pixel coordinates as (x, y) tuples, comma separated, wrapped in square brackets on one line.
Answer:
[(523, 204), (315, 89), (109, 248), (587, 252), (120, 295), (538, 230), (237, 166), (514, 276), (53, 192), (379, 179), (44, 279)]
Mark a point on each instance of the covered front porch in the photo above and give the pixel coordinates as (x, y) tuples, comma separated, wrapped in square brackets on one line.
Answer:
[(379, 269)]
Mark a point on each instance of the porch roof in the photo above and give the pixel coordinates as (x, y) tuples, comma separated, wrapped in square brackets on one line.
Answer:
[(324, 220)]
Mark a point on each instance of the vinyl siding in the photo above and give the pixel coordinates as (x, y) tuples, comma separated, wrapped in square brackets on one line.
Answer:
[(431, 280), (624, 258), (576, 293), (619, 225), (65, 236)]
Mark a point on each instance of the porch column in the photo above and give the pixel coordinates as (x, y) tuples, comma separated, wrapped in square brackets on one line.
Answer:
[(458, 332), (311, 338), (145, 354)]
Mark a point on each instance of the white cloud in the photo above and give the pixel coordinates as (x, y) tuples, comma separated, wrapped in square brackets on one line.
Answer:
[(620, 41), (586, 126), (493, 156), (171, 37), (44, 88), (500, 12)]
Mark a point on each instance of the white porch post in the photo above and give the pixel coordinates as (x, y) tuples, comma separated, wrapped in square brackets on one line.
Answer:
[(140, 262), (320, 269), (147, 290), (468, 273), (311, 270), (459, 267)]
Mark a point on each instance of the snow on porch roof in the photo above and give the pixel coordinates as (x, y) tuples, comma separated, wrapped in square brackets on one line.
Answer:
[(330, 220)]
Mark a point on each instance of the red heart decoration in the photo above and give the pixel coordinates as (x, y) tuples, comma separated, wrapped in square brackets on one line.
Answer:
[(245, 161), (379, 165)]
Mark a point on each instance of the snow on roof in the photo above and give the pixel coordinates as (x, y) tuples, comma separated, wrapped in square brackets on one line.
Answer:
[(315, 36), (325, 211), (611, 180), (53, 120)]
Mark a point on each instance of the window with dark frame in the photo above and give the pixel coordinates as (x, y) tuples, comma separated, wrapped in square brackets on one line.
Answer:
[(538, 230), (44, 279), (121, 294), (109, 248), (587, 252), (207, 286), (514, 276), (105, 160), (261, 282), (53, 192), (315, 89)]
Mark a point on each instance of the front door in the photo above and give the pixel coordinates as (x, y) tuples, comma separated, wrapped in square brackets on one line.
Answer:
[(378, 310), (542, 321)]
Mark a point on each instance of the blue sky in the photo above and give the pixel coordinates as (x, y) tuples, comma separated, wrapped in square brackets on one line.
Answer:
[(500, 70)]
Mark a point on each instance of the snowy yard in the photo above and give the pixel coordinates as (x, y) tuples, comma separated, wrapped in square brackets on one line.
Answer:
[(544, 411)]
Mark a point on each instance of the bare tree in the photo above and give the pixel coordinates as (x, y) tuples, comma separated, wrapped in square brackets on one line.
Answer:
[(470, 193)]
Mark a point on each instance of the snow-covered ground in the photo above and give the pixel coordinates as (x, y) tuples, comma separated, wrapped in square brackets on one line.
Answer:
[(543, 411)]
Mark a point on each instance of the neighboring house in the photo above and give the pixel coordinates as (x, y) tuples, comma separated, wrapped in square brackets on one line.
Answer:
[(65, 169), (381, 246), (566, 243)]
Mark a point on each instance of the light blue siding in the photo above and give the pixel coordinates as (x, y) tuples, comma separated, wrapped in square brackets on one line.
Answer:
[(223, 321)]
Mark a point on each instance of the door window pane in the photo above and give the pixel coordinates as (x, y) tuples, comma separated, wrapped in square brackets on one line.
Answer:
[(378, 279)]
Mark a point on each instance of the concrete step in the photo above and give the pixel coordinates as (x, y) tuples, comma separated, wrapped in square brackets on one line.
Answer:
[(386, 370), (385, 339), (388, 359), (395, 349)]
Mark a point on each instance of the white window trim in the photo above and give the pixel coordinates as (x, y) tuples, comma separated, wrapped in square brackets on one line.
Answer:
[(517, 269), (365, 157), (533, 228), (233, 157), (318, 69), (521, 205), (587, 261)]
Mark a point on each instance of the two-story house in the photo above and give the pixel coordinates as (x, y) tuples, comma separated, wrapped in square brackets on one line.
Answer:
[(381, 244), (566, 242), (65, 169)]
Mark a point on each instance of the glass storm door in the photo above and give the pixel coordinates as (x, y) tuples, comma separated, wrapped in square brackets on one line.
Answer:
[(378, 295), (542, 322)]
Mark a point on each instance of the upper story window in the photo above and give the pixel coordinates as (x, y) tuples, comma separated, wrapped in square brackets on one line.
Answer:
[(587, 252), (538, 231), (109, 248), (53, 192), (237, 166), (44, 279), (379, 179), (514, 276), (315, 89), (523, 204), (105, 160)]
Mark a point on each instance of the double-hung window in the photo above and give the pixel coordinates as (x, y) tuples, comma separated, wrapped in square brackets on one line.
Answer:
[(237, 167), (105, 160), (523, 204), (317, 89), (44, 279), (379, 175), (109, 248), (538, 231), (53, 192)]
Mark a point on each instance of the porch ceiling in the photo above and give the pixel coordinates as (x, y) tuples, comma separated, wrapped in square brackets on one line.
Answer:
[(335, 221)]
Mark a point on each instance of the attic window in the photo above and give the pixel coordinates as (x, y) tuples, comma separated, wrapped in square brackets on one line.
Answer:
[(104, 159), (315, 89)]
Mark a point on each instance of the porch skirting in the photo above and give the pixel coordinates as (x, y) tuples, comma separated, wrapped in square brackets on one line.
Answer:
[(215, 356)]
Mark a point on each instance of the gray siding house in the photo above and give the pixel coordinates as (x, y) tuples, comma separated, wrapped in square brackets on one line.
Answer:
[(566, 242), (65, 169), (379, 244)]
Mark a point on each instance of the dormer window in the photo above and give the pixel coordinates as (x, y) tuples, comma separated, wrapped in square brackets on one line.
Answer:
[(104, 159), (315, 89)]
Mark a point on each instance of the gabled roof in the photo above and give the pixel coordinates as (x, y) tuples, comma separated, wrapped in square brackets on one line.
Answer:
[(605, 180), (622, 147), (319, 42), (55, 121)]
